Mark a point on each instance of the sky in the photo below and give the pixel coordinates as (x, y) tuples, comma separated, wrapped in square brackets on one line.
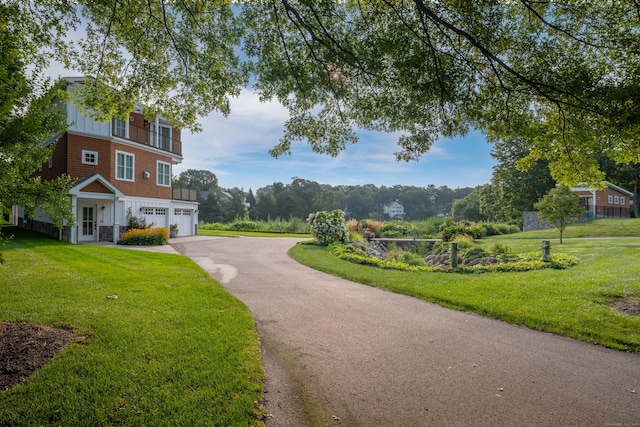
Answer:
[(236, 148)]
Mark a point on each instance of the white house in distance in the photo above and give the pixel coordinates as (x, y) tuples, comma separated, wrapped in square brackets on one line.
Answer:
[(394, 210), (120, 167)]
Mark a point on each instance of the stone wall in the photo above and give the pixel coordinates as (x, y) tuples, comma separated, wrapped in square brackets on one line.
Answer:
[(531, 221)]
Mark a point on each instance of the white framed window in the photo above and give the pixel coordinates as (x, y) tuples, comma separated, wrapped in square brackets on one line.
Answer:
[(622, 201), (148, 211), (163, 175), (616, 200), (125, 166), (119, 128), (161, 211), (610, 198), (177, 211), (162, 137), (89, 157)]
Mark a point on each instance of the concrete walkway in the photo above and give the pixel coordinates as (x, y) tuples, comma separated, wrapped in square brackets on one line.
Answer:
[(344, 354)]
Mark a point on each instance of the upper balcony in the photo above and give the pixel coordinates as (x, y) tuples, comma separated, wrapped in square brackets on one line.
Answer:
[(156, 133), (152, 134)]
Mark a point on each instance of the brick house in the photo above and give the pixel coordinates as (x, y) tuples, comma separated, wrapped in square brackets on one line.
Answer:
[(610, 202), (120, 167)]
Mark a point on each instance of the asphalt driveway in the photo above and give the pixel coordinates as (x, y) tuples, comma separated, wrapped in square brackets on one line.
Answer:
[(344, 354)]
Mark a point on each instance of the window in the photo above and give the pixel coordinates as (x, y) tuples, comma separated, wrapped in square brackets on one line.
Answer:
[(124, 166), (622, 201), (161, 211), (610, 199), (616, 200), (164, 174), (177, 211), (163, 136), (89, 157), (119, 128), (147, 211), (50, 161)]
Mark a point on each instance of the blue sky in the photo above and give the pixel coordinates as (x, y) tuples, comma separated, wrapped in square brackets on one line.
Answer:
[(236, 150)]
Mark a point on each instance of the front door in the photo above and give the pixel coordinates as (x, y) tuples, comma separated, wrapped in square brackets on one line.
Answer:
[(88, 223)]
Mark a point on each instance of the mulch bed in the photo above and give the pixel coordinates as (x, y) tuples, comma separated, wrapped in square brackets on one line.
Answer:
[(25, 347)]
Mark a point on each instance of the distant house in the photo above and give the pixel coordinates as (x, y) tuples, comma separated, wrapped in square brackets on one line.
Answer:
[(610, 202), (121, 168), (394, 210)]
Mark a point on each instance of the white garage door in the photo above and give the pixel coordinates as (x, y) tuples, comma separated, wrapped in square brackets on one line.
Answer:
[(184, 219)]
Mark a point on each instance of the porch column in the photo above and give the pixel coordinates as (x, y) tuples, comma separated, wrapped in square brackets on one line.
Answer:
[(73, 231), (116, 224)]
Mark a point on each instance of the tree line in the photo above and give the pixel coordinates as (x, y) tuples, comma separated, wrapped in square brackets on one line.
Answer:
[(301, 197), (559, 77)]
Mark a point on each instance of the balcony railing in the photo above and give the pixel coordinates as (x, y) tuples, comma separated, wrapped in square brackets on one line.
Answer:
[(599, 211), (187, 194), (147, 136)]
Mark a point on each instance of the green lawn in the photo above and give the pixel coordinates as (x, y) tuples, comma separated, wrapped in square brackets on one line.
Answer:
[(174, 348), (575, 302)]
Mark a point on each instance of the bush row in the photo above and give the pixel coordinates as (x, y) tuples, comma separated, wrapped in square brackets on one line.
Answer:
[(524, 262), (145, 237)]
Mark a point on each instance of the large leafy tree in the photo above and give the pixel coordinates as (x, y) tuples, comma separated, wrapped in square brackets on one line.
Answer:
[(29, 122), (513, 190), (562, 74), (201, 179)]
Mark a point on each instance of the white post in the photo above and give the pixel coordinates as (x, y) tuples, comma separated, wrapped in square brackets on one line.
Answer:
[(73, 236)]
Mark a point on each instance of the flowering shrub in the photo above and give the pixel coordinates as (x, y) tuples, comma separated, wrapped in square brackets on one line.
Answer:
[(145, 237), (135, 222), (328, 227)]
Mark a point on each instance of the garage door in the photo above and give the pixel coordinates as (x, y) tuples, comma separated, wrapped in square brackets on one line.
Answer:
[(184, 219)]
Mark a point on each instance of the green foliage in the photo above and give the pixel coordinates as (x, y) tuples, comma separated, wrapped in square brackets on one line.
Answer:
[(560, 206), (29, 123), (524, 262), (397, 229), (145, 237), (244, 225), (451, 229), (137, 223), (328, 227)]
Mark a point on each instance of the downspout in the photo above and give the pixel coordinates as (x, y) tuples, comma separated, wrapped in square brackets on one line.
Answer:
[(595, 207)]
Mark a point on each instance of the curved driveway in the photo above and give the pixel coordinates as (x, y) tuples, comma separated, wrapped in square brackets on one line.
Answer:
[(344, 354)]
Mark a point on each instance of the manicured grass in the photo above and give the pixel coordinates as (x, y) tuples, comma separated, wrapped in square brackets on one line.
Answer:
[(596, 228), (174, 348), (234, 233), (574, 302)]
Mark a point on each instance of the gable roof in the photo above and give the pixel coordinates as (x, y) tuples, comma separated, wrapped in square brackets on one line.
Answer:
[(608, 184), (87, 180)]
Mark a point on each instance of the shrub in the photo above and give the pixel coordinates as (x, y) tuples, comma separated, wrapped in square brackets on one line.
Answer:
[(397, 229), (353, 226), (461, 228), (135, 222), (374, 227), (145, 237), (244, 225), (497, 229), (328, 227)]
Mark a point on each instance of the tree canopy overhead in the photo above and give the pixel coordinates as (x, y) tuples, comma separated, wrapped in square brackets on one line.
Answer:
[(563, 74)]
